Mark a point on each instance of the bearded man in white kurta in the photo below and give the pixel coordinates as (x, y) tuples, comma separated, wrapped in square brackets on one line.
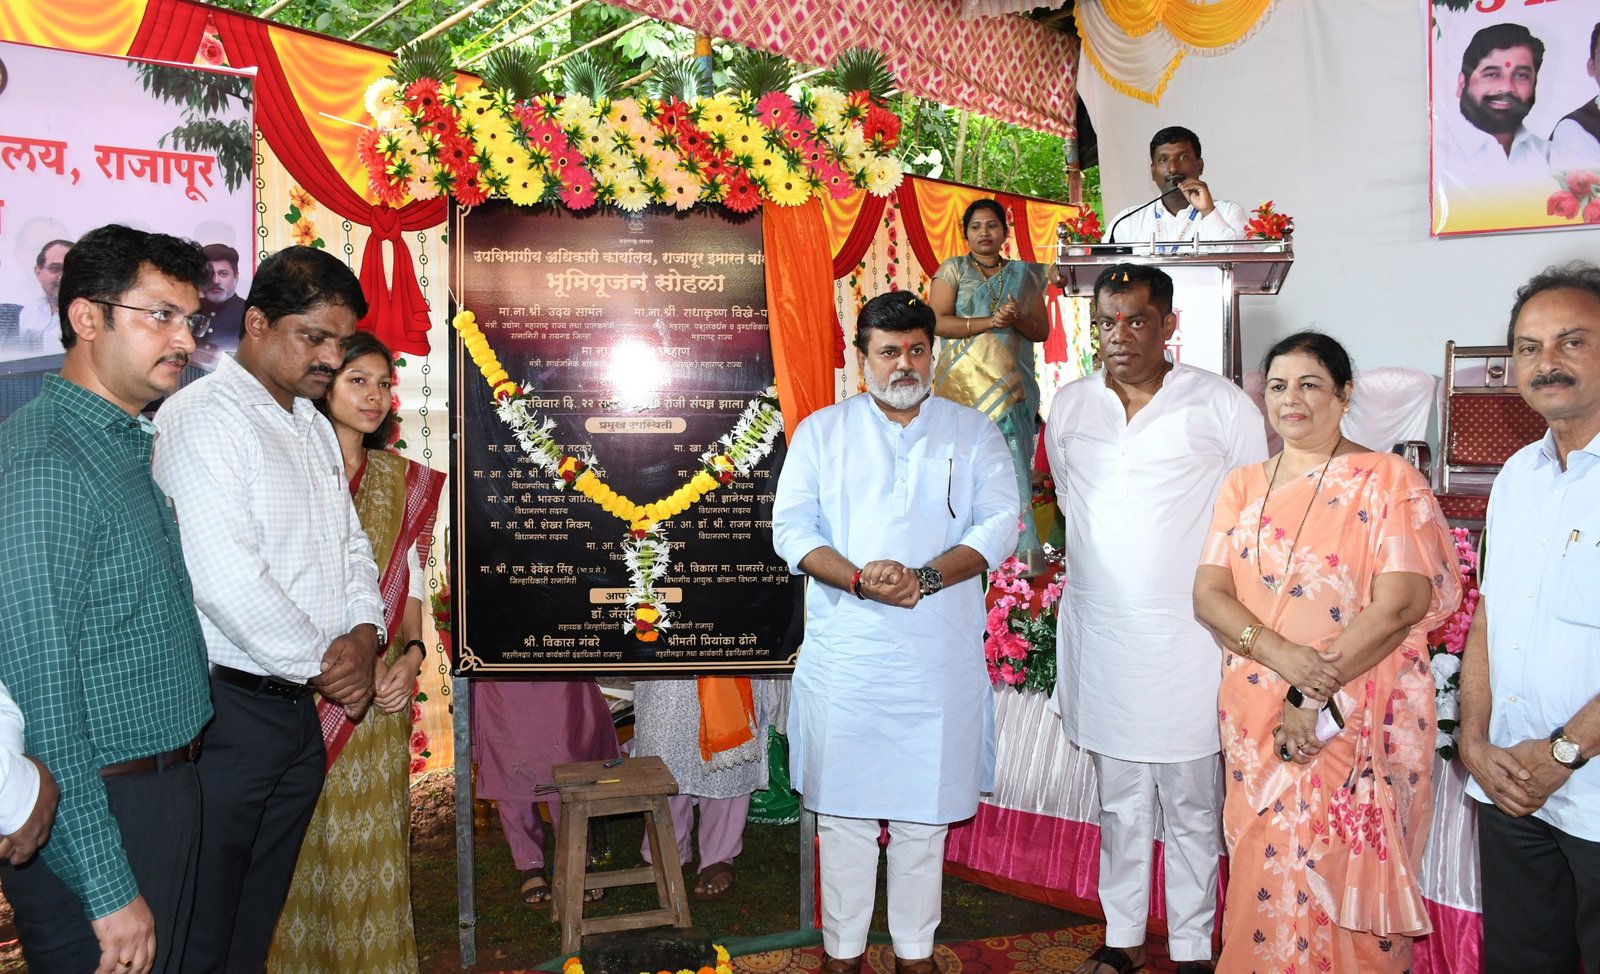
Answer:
[(894, 503), (1138, 451)]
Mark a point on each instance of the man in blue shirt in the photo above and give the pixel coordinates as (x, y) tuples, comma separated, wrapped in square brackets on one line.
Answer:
[(1530, 674), (105, 658)]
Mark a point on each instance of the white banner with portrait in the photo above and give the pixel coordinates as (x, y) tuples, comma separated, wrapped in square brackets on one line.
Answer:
[(1515, 118), (87, 140)]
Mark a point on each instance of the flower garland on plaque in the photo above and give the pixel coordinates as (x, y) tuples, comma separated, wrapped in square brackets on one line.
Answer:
[(646, 551)]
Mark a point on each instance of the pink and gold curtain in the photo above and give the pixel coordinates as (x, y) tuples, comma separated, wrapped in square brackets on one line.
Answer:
[(1009, 68)]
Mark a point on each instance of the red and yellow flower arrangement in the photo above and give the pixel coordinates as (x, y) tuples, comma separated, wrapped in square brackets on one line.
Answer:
[(435, 137)]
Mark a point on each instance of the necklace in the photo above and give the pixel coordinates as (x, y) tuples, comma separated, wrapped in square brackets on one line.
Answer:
[(994, 286), (1261, 520)]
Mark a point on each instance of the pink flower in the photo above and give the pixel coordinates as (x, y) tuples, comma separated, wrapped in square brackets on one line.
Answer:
[(1591, 211), (211, 49), (419, 742), (418, 764), (1581, 182), (1333, 561), (1562, 204), (416, 712)]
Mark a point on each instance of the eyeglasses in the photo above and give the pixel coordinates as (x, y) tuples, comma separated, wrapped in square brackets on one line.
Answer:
[(197, 322)]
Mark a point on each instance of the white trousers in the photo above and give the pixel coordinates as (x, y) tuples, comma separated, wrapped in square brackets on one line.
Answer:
[(848, 854), (1189, 794)]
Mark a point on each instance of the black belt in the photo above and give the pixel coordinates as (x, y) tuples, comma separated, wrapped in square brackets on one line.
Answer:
[(155, 762), (257, 683)]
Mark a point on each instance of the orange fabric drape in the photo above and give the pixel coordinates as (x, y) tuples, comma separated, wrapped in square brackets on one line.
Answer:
[(100, 28), (800, 312), (940, 205), (334, 113)]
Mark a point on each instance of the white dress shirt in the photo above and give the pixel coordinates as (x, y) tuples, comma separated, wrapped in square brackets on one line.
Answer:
[(891, 713), (39, 328), (1572, 147), (1136, 674), (1225, 222), (1474, 168), (1541, 584), (280, 564), (19, 779)]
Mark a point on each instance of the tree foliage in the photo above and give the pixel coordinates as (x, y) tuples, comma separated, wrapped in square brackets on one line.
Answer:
[(203, 95)]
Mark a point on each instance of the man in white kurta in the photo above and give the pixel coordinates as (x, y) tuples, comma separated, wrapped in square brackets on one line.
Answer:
[(894, 503), (1138, 451)]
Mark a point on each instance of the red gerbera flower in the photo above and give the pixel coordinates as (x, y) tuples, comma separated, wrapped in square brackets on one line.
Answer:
[(742, 195)]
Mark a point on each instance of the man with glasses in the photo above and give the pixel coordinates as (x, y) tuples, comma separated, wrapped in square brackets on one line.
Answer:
[(104, 651)]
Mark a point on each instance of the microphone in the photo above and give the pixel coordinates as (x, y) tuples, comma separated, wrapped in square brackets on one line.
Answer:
[(1112, 235)]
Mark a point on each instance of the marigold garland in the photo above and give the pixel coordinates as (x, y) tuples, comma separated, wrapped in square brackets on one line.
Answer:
[(645, 551), (431, 138), (724, 965)]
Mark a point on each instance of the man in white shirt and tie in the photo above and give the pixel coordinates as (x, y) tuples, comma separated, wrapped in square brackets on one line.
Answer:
[(286, 585)]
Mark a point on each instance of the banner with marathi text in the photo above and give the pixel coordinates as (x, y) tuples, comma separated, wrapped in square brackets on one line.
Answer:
[(640, 345)]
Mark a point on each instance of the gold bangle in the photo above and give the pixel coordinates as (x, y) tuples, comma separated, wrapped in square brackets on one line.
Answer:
[(1247, 639), (969, 326)]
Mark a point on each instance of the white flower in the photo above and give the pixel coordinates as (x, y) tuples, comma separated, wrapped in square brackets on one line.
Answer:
[(1444, 667), (381, 95), (1448, 708)]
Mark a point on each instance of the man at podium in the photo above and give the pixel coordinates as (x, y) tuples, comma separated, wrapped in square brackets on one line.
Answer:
[(1185, 209)]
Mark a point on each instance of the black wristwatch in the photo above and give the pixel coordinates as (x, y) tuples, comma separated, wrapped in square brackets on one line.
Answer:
[(929, 580), (1565, 750)]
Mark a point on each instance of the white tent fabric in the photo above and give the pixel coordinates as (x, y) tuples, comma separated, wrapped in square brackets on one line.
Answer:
[(1325, 111)]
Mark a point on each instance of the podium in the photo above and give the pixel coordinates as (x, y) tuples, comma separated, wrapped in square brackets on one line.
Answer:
[(1208, 278)]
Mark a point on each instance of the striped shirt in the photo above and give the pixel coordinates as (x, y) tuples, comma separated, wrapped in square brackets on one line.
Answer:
[(281, 565), (104, 652)]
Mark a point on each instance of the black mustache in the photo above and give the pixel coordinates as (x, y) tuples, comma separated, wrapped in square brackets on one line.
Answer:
[(321, 370), (182, 358), (1551, 379)]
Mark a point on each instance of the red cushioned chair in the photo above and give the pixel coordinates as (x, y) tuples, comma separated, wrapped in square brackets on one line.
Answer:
[(1482, 421)]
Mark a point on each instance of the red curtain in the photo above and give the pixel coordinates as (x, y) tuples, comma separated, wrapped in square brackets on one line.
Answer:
[(861, 235)]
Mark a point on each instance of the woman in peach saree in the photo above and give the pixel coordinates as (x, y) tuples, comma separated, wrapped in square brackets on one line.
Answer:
[(1326, 567)]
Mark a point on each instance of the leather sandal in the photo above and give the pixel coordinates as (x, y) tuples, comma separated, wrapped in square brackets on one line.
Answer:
[(841, 965), (1114, 958), (1195, 967), (923, 966)]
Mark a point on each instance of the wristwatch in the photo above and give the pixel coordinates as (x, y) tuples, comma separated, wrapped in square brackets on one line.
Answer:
[(1565, 750), (929, 580)]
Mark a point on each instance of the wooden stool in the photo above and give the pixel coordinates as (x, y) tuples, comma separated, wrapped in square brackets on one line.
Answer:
[(588, 790)]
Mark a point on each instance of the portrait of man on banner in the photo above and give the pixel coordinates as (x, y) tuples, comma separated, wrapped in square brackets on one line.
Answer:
[(1515, 123), (91, 139)]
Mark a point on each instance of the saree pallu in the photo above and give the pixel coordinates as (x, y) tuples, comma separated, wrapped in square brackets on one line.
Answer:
[(1324, 859), (349, 906), (993, 372)]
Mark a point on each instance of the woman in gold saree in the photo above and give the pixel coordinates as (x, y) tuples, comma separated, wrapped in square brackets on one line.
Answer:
[(349, 906), (990, 314)]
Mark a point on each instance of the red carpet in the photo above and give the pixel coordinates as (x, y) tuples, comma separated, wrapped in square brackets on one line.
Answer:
[(1051, 952)]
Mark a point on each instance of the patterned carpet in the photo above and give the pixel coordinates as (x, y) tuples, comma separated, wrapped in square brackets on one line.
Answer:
[(1050, 952)]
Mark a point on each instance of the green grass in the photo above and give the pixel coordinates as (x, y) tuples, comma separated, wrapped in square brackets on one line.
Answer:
[(510, 935)]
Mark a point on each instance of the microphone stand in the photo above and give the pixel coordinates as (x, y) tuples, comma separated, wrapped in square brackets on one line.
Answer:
[(1111, 236)]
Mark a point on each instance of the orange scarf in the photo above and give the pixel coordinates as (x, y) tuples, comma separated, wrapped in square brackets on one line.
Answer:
[(727, 720)]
